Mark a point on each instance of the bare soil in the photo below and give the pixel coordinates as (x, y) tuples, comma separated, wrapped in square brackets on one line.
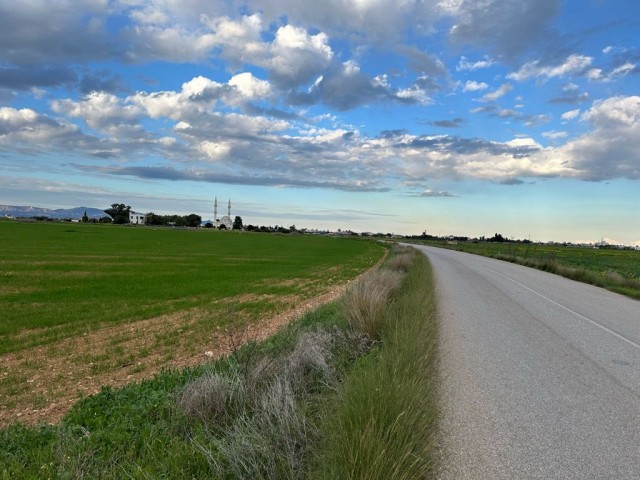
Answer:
[(40, 384)]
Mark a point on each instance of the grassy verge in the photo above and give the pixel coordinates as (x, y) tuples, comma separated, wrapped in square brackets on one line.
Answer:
[(321, 399), (383, 423), (615, 270)]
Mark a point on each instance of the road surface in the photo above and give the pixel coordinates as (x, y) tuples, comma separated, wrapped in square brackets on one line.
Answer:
[(540, 374)]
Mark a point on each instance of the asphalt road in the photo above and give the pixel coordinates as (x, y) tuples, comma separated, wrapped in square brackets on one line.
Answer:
[(540, 375)]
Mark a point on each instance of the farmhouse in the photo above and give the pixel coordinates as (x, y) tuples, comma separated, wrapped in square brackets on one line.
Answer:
[(137, 218)]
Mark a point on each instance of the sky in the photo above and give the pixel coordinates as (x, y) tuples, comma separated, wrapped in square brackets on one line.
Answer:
[(454, 117)]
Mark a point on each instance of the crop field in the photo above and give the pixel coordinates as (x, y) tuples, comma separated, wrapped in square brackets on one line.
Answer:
[(83, 304), (617, 270)]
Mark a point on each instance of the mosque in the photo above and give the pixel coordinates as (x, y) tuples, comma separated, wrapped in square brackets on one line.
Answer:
[(224, 222)]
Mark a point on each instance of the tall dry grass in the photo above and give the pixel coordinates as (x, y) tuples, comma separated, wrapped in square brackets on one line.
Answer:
[(383, 425), (259, 416), (365, 301)]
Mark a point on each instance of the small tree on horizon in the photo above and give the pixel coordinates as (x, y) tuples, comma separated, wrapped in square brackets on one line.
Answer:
[(237, 223)]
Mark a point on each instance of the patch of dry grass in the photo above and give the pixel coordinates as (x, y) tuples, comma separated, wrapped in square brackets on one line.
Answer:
[(365, 301)]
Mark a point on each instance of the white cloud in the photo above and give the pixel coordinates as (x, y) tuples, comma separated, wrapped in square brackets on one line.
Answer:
[(100, 110), (473, 86), (623, 69), (464, 64), (610, 150), (297, 57), (598, 75), (414, 94), (250, 87), (570, 115), (432, 192), (574, 64), (199, 93), (25, 130), (554, 134), (215, 150), (500, 92), (614, 112)]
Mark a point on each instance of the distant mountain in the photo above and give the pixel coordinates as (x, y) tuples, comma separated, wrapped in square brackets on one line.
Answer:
[(59, 213)]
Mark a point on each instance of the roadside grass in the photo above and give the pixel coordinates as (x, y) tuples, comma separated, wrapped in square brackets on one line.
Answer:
[(382, 424), (320, 399), (615, 270)]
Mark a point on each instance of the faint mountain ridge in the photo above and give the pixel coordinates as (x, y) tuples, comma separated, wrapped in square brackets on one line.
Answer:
[(59, 213)]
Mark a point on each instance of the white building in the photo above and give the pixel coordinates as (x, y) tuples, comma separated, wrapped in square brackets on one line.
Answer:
[(137, 218), (224, 222)]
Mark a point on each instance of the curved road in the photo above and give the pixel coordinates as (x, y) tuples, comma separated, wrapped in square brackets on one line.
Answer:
[(540, 374)]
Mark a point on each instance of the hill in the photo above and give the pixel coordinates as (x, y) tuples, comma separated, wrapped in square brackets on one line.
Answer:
[(60, 213)]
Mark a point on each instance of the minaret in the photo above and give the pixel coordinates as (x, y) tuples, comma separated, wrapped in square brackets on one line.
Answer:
[(215, 209), (229, 209)]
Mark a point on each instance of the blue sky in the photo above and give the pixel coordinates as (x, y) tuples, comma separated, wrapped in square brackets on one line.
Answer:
[(464, 117)]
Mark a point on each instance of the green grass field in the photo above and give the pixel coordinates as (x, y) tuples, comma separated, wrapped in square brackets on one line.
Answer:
[(58, 280), (616, 270)]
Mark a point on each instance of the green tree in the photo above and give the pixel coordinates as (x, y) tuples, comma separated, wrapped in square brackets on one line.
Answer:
[(85, 217), (193, 220), (119, 212), (237, 223)]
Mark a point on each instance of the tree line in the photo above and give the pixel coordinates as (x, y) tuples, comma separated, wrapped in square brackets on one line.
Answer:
[(119, 213)]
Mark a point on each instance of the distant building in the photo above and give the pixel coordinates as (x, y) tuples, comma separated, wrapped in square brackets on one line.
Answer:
[(137, 218), (224, 222)]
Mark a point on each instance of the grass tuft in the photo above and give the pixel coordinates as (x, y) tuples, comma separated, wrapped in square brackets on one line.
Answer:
[(365, 301)]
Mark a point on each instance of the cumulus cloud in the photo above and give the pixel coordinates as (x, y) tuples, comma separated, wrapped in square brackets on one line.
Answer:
[(345, 87), (100, 110), (250, 87), (297, 57), (610, 149), (27, 131), (473, 86)]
